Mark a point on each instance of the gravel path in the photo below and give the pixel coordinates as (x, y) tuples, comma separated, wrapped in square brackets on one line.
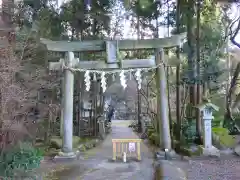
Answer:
[(226, 168)]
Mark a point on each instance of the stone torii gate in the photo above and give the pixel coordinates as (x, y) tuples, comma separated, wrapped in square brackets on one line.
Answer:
[(111, 48)]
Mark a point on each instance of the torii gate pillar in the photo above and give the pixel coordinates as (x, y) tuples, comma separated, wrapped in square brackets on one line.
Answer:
[(68, 89), (162, 102)]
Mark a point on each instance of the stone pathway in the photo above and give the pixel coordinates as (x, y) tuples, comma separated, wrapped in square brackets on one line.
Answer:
[(103, 169), (95, 165)]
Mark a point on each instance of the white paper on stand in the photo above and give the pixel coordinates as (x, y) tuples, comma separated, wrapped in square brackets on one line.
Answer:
[(131, 147)]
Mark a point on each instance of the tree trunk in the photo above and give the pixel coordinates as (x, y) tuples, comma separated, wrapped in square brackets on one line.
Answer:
[(138, 91), (198, 113), (168, 84), (228, 115), (80, 103), (62, 104), (169, 102), (191, 61), (178, 88)]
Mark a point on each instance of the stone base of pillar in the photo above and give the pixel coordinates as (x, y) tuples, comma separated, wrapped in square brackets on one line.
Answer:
[(169, 155), (212, 151), (66, 156)]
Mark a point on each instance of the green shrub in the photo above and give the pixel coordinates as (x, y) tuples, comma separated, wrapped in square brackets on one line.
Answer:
[(150, 131), (237, 119), (189, 131), (186, 151), (153, 136), (21, 157), (156, 139), (151, 139), (217, 121)]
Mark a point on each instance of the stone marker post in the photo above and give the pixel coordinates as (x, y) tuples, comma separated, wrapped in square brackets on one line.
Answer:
[(207, 123), (101, 124)]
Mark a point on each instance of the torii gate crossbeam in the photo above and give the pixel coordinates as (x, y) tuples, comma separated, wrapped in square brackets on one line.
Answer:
[(111, 47)]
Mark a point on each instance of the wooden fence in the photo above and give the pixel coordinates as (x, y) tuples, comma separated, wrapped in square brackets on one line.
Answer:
[(130, 146)]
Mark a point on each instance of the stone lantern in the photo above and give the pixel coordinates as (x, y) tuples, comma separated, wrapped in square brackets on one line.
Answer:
[(206, 109)]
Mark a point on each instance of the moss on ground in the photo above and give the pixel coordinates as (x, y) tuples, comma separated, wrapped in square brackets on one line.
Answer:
[(224, 137), (56, 141), (186, 151), (54, 147)]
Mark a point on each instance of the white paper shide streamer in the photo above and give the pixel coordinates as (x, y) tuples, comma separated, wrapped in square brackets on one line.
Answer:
[(123, 79), (103, 82), (139, 78), (87, 80)]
